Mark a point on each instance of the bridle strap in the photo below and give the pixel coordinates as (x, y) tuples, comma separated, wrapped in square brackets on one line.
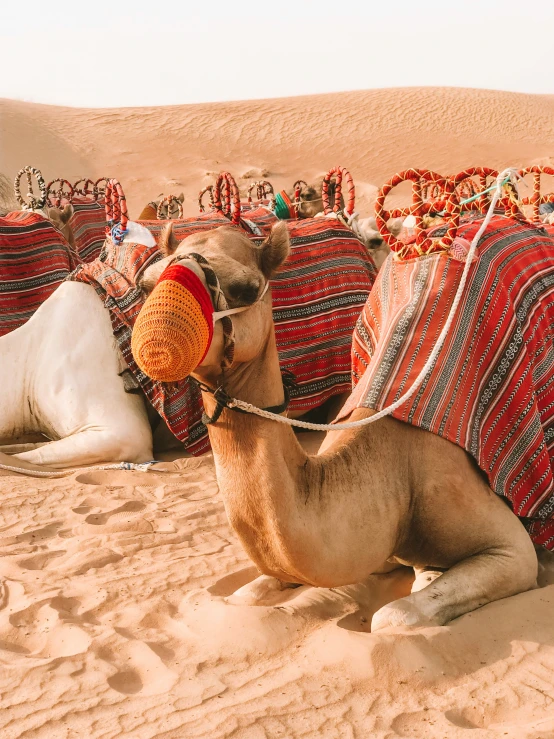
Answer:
[(223, 399)]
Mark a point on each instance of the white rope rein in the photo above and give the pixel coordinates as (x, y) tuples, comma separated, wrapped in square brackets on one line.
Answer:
[(144, 467), (511, 175)]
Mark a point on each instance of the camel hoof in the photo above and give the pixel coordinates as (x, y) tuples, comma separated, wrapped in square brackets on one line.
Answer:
[(401, 614), (263, 591)]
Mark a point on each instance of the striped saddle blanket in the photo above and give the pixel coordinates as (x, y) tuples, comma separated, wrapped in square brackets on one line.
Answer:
[(88, 224), (183, 227), (34, 259), (491, 388), (317, 298)]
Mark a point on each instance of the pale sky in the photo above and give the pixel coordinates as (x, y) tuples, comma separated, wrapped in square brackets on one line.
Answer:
[(161, 52)]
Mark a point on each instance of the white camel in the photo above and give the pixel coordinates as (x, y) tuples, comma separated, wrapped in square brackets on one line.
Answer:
[(60, 377)]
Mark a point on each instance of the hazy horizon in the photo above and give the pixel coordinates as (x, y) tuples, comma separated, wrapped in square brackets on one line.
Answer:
[(103, 55)]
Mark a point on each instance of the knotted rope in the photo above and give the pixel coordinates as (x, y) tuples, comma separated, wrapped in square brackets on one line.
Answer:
[(116, 211), (169, 200), (210, 190), (264, 189), (448, 206), (536, 199), (338, 173), (85, 189), (226, 190), (32, 202), (55, 197)]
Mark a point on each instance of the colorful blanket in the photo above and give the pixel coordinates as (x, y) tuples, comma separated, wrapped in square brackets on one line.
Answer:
[(34, 259), (88, 224), (317, 297), (183, 227), (491, 388)]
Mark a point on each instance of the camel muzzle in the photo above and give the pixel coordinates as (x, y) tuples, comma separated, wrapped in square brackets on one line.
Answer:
[(174, 328)]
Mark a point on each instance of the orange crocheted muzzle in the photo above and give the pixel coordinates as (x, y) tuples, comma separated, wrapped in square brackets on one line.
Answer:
[(174, 329)]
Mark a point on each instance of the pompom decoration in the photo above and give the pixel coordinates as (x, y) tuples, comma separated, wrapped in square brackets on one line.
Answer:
[(174, 328), (284, 208)]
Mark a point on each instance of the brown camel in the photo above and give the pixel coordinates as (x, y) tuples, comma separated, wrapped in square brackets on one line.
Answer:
[(376, 497)]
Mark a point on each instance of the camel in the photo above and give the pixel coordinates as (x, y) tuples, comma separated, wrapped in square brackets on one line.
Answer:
[(373, 498), (67, 353), (82, 397)]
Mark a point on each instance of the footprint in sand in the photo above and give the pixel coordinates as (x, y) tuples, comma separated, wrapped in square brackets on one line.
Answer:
[(144, 670), (125, 518)]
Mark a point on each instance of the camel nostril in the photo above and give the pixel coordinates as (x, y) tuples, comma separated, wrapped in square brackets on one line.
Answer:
[(243, 292)]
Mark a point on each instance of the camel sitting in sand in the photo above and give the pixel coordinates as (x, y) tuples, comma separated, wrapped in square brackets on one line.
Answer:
[(67, 353), (372, 498)]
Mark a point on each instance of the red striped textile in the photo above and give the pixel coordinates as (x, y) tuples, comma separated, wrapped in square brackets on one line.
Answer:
[(183, 227), (257, 222), (491, 389), (34, 259), (317, 297), (88, 224)]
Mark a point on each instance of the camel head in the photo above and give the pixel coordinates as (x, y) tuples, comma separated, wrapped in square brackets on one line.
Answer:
[(242, 269), (311, 204), (60, 219)]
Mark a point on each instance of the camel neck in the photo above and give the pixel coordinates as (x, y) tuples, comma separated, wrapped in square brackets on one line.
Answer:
[(277, 498)]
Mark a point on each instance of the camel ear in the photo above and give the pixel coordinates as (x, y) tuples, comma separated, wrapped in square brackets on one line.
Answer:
[(66, 213), (167, 243), (181, 197), (275, 249)]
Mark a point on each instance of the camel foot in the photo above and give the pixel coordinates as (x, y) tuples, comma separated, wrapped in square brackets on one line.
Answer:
[(263, 591), (402, 614)]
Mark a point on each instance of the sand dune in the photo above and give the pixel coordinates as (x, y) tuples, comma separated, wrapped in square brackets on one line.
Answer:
[(115, 615), (375, 133)]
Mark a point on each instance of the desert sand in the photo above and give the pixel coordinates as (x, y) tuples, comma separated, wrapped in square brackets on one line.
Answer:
[(116, 609), (375, 133)]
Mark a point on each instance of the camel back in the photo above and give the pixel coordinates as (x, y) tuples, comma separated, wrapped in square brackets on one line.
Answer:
[(34, 259), (491, 389)]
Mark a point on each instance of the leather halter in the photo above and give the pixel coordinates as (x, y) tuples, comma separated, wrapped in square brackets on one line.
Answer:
[(222, 313)]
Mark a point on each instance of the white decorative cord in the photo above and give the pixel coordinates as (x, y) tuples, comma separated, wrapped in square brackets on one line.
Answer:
[(509, 174), (144, 467)]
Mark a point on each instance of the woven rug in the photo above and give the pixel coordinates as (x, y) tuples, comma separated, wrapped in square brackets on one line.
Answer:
[(317, 297), (88, 224), (491, 388), (34, 259)]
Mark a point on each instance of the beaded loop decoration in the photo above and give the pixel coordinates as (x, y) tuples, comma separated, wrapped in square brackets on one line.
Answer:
[(84, 188), (264, 189), (338, 173), (227, 197), (536, 199), (57, 197), (116, 211), (210, 190), (32, 202), (99, 190), (298, 186), (467, 188), (448, 207), (169, 200)]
